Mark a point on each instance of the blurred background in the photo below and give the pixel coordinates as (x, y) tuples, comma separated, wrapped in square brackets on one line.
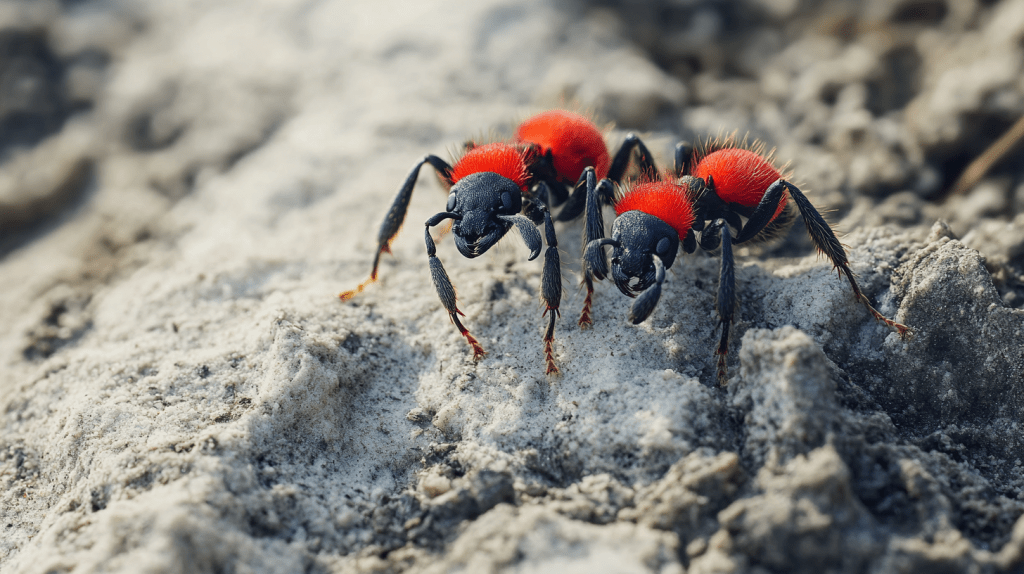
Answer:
[(878, 106)]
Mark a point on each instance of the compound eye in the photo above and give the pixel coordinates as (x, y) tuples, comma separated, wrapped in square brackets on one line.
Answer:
[(506, 201), (451, 202), (662, 247)]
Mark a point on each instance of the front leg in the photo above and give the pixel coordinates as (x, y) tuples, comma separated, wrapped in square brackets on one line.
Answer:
[(396, 216), (443, 285), (550, 291), (595, 264), (551, 278), (725, 305)]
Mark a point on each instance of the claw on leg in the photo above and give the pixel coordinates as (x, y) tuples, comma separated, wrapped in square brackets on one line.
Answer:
[(346, 295), (549, 359), (825, 240), (549, 342), (902, 330), (478, 349), (586, 321)]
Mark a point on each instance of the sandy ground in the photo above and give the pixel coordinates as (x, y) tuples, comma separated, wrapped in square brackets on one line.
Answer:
[(186, 186)]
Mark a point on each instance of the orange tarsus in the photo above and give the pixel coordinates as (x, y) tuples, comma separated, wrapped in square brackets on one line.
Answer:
[(549, 339), (549, 358), (585, 321), (902, 330), (346, 295), (478, 350)]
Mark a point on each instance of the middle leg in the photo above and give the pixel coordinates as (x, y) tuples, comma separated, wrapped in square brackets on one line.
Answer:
[(551, 277), (443, 285)]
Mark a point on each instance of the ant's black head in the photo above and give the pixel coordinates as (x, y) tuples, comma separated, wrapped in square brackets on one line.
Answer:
[(478, 200), (636, 236)]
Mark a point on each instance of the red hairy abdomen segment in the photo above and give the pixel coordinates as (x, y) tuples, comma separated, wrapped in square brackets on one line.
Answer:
[(740, 176), (500, 158), (574, 141), (667, 201)]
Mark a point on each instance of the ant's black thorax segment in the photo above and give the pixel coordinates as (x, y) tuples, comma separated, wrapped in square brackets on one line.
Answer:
[(709, 207)]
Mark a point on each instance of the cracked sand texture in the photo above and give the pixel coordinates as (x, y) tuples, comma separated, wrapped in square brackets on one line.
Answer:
[(185, 187)]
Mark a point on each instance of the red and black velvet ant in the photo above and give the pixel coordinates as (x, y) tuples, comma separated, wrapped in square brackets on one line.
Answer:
[(497, 186), (712, 190)]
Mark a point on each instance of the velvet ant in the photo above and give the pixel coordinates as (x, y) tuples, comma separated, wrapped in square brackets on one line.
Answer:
[(497, 186), (712, 190)]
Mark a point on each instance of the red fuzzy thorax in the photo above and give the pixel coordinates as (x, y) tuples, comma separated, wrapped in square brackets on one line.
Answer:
[(574, 141), (740, 176), (503, 159), (669, 202)]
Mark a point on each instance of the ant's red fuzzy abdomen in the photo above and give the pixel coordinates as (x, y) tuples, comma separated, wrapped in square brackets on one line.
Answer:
[(665, 200), (574, 141), (500, 158), (740, 176)]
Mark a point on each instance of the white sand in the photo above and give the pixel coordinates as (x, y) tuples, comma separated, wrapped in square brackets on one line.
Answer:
[(184, 392)]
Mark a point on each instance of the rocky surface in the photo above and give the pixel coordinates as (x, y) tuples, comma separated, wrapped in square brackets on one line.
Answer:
[(185, 187)]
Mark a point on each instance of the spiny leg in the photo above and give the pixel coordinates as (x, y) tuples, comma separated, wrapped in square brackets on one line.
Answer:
[(593, 230), (396, 216), (551, 278), (586, 320), (726, 303), (550, 290), (443, 285), (826, 242), (595, 265), (593, 258)]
